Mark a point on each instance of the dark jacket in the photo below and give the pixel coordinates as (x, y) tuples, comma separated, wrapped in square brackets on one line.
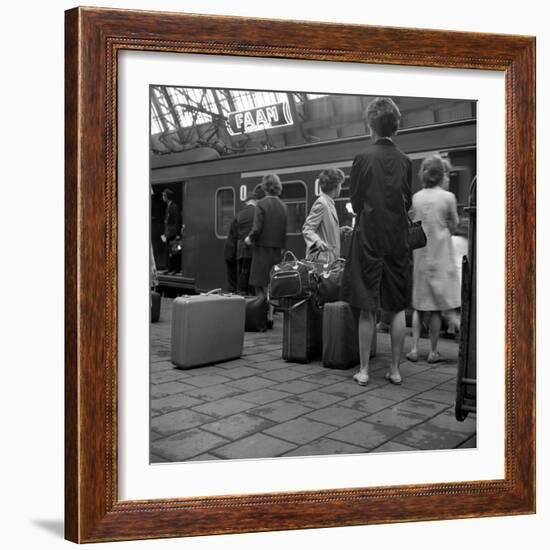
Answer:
[(244, 222), (230, 247), (269, 227), (377, 274), (171, 221)]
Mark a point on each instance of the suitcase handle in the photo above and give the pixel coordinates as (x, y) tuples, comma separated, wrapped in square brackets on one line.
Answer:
[(293, 307), (213, 291)]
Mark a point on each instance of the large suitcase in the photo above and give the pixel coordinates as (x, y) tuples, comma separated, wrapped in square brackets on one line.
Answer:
[(256, 314), (155, 306), (302, 330), (340, 338), (206, 329)]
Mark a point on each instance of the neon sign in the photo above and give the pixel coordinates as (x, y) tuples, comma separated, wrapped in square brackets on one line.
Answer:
[(260, 118)]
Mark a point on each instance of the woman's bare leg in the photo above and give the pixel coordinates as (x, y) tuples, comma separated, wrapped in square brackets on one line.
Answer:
[(365, 331), (416, 328), (435, 329), (397, 335)]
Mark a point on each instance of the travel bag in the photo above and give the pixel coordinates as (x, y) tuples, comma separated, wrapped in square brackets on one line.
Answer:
[(329, 281), (155, 306), (292, 278), (207, 328), (256, 314), (340, 338), (302, 330)]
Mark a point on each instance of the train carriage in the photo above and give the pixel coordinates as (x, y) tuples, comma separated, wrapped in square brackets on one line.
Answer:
[(210, 192)]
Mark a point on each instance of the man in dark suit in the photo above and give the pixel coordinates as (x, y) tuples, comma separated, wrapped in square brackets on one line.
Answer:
[(244, 222), (171, 231), (230, 256)]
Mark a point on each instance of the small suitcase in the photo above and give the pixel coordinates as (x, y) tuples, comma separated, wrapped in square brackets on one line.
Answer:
[(206, 329), (155, 306), (340, 338), (302, 331), (256, 314)]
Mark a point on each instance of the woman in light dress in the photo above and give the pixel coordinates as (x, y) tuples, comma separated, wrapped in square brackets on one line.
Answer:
[(436, 279)]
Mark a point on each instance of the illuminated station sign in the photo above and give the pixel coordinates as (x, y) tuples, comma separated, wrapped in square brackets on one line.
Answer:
[(261, 118)]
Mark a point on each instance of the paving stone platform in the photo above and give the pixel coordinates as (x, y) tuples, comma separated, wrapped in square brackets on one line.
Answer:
[(261, 406)]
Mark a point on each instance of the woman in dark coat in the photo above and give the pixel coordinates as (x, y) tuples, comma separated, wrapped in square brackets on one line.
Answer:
[(377, 273), (268, 236)]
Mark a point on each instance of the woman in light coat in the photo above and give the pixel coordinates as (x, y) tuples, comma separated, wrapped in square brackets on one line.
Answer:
[(321, 229)]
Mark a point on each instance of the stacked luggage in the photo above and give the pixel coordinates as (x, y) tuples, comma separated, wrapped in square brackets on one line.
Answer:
[(292, 289), (316, 325), (302, 330), (209, 328)]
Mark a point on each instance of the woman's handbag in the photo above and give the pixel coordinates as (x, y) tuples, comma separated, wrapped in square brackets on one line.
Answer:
[(416, 235)]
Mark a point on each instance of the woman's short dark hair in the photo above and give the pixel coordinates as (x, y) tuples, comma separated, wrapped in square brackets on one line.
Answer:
[(259, 192), (330, 179), (169, 194), (383, 116), (272, 184), (433, 170)]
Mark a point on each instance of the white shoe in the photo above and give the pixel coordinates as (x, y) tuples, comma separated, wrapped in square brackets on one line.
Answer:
[(361, 378)]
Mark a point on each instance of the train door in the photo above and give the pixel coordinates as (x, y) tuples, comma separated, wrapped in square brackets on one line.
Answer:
[(158, 210), (210, 206)]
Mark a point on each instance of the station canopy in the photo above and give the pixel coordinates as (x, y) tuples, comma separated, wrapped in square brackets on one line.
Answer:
[(212, 123)]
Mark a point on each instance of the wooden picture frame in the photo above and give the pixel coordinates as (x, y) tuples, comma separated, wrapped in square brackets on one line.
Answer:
[(93, 511)]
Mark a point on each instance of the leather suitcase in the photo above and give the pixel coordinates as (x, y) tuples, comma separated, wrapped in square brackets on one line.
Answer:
[(302, 331), (340, 338), (155, 306), (206, 329), (256, 314)]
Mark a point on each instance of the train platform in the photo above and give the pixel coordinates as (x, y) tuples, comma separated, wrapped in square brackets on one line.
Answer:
[(262, 406)]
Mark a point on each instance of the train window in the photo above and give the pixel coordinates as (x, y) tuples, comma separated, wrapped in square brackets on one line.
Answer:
[(225, 210), (294, 195)]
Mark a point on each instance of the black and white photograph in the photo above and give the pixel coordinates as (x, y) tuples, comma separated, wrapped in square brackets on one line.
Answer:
[(250, 300), (312, 273)]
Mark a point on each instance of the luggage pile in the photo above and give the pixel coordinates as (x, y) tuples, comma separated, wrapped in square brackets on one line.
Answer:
[(316, 323), (292, 288), (209, 328)]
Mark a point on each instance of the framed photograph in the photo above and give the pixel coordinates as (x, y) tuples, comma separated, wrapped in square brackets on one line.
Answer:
[(289, 245)]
